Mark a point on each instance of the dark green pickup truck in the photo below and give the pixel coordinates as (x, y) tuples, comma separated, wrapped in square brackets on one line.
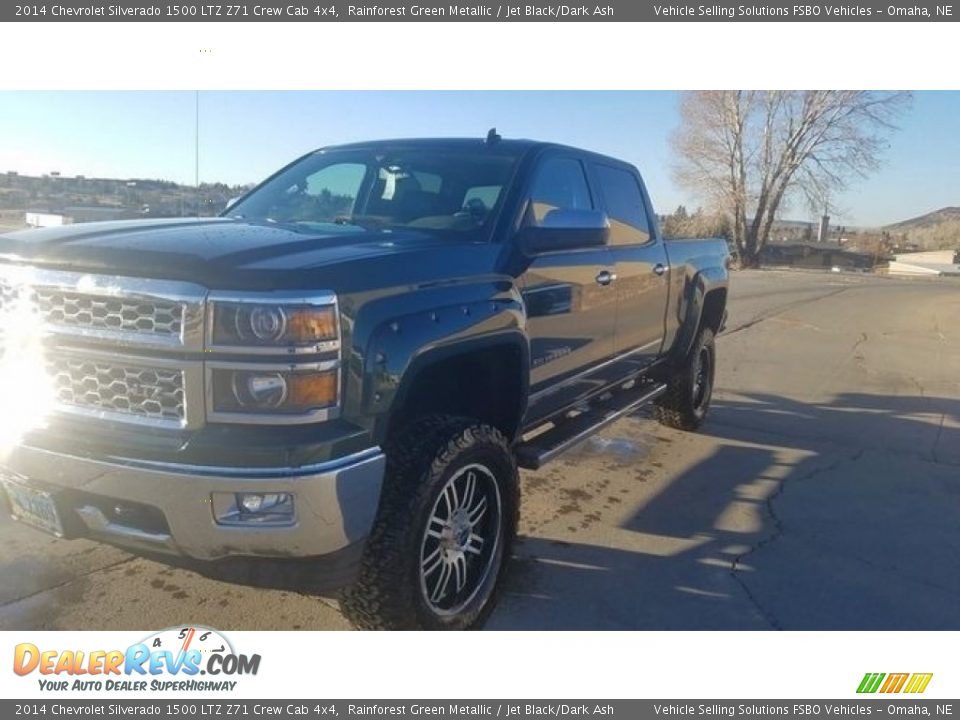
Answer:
[(350, 363)]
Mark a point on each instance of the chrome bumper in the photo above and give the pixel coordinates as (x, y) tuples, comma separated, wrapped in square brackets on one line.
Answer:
[(334, 502)]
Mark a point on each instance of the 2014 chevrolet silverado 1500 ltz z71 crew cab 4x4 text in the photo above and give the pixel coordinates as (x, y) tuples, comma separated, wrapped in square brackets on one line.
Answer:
[(350, 363)]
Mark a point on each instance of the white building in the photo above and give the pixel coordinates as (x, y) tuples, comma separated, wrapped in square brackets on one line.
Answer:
[(40, 219), (937, 262)]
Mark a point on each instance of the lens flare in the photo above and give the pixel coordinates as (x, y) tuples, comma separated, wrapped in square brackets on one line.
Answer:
[(26, 390)]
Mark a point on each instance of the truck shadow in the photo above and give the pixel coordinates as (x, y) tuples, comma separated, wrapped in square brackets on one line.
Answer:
[(837, 515), (303, 576)]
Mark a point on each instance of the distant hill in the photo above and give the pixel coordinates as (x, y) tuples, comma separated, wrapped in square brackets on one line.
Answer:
[(85, 199), (937, 217), (937, 230)]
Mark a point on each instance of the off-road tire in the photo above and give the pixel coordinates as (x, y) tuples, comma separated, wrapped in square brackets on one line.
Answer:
[(684, 406), (421, 461)]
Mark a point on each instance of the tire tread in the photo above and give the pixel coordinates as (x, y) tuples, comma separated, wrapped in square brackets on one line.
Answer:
[(383, 595), (675, 407)]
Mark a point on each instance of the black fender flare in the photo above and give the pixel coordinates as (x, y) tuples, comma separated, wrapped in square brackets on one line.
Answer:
[(692, 303), (402, 347)]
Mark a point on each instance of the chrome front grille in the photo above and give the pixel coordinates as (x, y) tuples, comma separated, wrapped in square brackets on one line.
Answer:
[(104, 386), (130, 312), (57, 307), (8, 294), (107, 342)]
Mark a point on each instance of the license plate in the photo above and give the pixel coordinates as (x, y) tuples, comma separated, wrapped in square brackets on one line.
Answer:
[(32, 506)]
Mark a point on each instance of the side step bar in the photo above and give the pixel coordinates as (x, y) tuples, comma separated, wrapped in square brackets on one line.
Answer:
[(543, 448)]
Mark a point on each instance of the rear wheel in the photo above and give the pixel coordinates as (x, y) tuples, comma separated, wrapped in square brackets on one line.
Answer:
[(444, 529), (690, 386)]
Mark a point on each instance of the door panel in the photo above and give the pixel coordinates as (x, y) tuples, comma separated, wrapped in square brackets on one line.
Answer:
[(570, 321), (640, 262), (641, 298), (571, 316)]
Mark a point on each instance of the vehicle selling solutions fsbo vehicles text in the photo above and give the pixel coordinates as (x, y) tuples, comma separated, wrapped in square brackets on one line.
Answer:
[(731, 11)]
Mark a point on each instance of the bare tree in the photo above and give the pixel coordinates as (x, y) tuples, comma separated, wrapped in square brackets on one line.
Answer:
[(748, 151), (698, 224)]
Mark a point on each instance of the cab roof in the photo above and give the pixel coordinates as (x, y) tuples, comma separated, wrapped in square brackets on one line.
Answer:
[(506, 146)]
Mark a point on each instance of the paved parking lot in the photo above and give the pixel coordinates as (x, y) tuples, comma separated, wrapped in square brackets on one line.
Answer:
[(822, 493)]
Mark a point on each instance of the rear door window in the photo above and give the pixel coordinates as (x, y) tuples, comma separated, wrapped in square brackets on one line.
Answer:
[(625, 207)]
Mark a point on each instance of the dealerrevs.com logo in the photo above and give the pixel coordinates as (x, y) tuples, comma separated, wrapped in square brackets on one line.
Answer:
[(894, 682), (172, 659)]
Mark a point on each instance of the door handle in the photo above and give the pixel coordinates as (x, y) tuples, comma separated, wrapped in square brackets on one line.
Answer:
[(659, 269), (605, 277)]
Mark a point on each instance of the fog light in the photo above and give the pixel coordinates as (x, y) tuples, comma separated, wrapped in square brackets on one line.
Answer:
[(253, 508), (255, 502)]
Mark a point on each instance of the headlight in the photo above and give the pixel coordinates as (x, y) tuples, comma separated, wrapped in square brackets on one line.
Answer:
[(285, 350), (275, 392), (270, 325)]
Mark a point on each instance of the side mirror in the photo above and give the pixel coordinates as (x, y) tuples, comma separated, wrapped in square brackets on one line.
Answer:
[(564, 229)]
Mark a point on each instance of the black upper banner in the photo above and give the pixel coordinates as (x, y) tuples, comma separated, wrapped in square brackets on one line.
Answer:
[(446, 11)]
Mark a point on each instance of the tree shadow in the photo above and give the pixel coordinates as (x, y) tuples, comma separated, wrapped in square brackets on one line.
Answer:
[(835, 515)]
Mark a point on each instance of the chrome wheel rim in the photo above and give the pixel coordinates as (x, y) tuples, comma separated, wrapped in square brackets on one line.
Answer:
[(461, 540)]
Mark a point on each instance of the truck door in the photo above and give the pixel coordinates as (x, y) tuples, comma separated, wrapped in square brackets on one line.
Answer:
[(640, 263), (571, 306)]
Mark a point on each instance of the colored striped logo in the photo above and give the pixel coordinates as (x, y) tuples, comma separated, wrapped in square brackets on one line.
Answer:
[(894, 682)]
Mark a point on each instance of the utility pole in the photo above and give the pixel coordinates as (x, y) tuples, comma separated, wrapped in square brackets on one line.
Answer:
[(824, 229), (196, 147)]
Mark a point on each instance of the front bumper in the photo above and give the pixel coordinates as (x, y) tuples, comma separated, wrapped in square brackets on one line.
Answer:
[(169, 507)]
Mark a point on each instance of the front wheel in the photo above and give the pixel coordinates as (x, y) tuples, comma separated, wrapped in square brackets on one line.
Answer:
[(690, 386), (443, 532)]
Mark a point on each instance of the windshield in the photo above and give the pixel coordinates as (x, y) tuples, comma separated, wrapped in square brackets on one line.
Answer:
[(380, 188)]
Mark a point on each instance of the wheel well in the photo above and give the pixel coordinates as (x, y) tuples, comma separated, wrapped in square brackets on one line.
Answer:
[(713, 306), (484, 384)]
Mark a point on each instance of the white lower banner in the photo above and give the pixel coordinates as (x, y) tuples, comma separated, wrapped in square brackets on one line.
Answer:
[(200, 662)]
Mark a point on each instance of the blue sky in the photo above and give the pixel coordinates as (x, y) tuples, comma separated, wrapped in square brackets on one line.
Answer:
[(244, 136)]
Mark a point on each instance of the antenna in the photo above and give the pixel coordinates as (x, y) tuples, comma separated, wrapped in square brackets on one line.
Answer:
[(492, 136)]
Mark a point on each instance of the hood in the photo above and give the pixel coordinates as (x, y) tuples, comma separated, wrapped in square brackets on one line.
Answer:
[(222, 252)]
